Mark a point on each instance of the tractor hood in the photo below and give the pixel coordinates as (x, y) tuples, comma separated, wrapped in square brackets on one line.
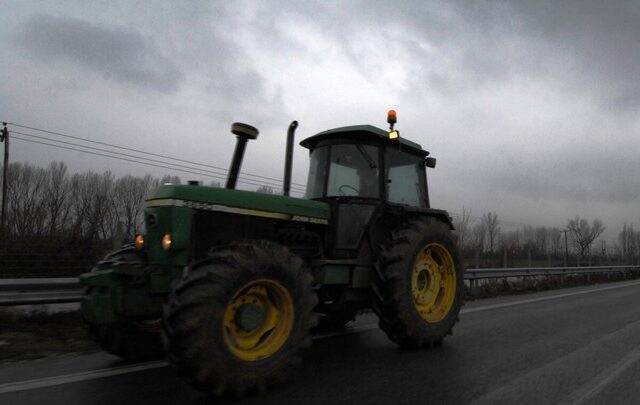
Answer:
[(240, 202)]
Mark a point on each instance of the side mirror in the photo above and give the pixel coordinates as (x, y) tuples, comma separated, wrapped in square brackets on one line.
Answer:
[(430, 162)]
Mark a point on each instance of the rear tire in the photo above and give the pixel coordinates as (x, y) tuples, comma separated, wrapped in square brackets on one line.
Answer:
[(419, 284), (237, 321)]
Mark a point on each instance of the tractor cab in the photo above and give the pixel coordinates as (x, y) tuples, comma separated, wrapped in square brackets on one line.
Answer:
[(360, 170), (365, 162)]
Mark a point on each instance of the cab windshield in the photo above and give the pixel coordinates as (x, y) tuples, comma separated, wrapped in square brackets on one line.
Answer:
[(352, 170)]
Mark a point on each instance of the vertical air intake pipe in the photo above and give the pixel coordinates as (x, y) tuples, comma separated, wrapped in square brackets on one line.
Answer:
[(288, 160), (244, 132)]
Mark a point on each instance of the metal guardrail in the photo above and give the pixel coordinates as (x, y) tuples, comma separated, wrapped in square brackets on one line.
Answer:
[(38, 291), (475, 274)]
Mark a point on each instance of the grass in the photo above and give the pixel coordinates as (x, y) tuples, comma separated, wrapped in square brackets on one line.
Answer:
[(501, 286), (34, 335)]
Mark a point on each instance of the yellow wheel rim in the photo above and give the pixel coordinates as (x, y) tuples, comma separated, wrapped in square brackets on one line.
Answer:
[(433, 282), (258, 320)]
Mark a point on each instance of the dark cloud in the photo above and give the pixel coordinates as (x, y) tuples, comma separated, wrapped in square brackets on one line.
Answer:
[(115, 53), (590, 46), (224, 67), (600, 38), (595, 176)]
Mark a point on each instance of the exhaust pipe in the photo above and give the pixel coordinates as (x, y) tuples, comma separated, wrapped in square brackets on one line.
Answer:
[(243, 132), (288, 160)]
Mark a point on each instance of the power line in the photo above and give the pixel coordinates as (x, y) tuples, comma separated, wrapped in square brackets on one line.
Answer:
[(245, 181), (139, 157), (143, 163), (138, 151)]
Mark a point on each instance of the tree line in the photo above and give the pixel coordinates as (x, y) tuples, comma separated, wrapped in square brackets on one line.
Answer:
[(85, 207), (57, 221), (53, 214), (484, 243)]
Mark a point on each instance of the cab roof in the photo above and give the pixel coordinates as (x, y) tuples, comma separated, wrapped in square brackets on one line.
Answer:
[(361, 133)]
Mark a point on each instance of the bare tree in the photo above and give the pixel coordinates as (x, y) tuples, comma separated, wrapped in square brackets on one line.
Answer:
[(509, 244), (462, 223), (25, 203), (555, 241), (583, 234), (541, 239), (265, 189), (492, 227), (168, 179), (629, 243), (479, 237), (93, 202), (57, 197), (129, 194)]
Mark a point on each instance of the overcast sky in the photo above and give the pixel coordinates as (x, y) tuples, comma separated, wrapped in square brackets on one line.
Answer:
[(531, 107)]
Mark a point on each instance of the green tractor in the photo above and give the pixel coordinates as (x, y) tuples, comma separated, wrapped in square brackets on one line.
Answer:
[(229, 283)]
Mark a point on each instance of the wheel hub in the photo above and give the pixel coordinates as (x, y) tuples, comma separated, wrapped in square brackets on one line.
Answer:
[(258, 320), (433, 282), (250, 316)]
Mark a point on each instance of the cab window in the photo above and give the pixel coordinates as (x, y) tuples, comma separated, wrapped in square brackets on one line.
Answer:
[(406, 182), (352, 170)]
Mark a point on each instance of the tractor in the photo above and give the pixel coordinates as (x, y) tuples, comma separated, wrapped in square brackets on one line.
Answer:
[(228, 284)]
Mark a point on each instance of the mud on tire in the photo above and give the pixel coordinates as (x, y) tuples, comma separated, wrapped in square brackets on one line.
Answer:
[(237, 321), (419, 284)]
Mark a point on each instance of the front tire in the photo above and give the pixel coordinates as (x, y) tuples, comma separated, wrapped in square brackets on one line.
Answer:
[(238, 320), (419, 284), (131, 340)]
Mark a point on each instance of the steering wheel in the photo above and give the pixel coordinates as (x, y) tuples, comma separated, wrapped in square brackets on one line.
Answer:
[(346, 186)]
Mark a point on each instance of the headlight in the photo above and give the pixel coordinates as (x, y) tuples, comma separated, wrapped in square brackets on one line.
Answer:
[(139, 242), (166, 241)]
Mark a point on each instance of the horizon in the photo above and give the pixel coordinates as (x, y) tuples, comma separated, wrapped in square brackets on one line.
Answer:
[(530, 109)]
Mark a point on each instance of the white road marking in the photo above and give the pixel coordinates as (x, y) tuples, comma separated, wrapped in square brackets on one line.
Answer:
[(71, 378), (594, 386), (107, 372), (550, 297)]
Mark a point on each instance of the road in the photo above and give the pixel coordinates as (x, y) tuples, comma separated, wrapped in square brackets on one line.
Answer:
[(571, 346)]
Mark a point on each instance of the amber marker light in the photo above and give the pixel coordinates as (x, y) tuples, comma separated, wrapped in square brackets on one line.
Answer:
[(391, 117), (139, 242), (166, 241)]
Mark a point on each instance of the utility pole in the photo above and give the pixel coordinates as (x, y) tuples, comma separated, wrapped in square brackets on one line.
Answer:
[(4, 137), (566, 247)]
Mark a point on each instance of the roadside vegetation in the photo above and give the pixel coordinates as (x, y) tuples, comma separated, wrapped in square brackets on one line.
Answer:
[(59, 224), (32, 335)]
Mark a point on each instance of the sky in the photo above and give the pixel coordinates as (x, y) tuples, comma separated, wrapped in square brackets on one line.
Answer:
[(531, 108)]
